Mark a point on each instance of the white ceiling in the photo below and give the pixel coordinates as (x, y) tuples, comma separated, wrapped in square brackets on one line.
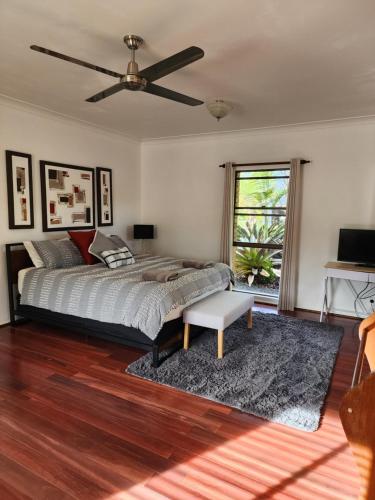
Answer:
[(278, 61)]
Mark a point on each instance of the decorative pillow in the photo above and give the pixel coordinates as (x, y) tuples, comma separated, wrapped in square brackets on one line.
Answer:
[(101, 243), (119, 242), (33, 254), (83, 240), (58, 253), (119, 257)]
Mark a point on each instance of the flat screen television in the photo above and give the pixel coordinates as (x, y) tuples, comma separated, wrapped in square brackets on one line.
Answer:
[(357, 245)]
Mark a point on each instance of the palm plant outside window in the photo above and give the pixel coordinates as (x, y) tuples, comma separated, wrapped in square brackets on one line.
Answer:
[(258, 229)]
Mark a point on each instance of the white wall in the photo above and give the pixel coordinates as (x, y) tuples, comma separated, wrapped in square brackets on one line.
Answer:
[(50, 137), (181, 187)]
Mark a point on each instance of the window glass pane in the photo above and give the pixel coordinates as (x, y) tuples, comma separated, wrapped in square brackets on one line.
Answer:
[(267, 192), (257, 270), (259, 229)]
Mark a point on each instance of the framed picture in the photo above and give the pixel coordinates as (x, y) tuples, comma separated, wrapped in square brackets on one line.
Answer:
[(20, 190), (104, 194), (68, 196)]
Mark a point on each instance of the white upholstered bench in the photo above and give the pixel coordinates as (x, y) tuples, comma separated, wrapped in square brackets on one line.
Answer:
[(218, 311)]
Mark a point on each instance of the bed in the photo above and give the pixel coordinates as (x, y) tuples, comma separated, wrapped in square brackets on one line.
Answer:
[(116, 305)]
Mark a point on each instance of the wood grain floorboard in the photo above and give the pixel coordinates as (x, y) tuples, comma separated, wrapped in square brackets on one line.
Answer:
[(74, 425)]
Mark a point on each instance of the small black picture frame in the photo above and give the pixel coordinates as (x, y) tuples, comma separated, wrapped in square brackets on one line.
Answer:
[(20, 190), (104, 196), (68, 198)]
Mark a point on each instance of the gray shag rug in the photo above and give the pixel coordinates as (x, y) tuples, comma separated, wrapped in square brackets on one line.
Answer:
[(280, 370)]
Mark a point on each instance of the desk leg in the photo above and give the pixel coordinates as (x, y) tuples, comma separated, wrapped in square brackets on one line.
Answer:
[(360, 301), (325, 300)]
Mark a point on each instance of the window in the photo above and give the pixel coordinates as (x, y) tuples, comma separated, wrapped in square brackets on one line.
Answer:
[(258, 229)]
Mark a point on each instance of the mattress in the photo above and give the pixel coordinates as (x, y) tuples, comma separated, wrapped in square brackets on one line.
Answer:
[(121, 296), (21, 277), (173, 314)]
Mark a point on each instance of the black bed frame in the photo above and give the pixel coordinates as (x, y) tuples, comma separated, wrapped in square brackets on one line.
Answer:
[(17, 258)]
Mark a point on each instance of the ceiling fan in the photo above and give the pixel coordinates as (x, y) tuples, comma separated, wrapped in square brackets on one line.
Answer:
[(134, 79)]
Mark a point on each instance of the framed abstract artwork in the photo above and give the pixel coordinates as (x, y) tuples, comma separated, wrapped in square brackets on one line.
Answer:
[(104, 194), (68, 196), (20, 190)]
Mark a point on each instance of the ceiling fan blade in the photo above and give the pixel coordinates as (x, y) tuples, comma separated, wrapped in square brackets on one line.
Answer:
[(171, 64), (151, 88), (106, 93), (75, 61)]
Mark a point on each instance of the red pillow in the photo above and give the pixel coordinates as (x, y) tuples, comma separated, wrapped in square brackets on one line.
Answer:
[(83, 240)]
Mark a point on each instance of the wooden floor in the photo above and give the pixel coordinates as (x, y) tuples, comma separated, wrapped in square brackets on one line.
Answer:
[(73, 425)]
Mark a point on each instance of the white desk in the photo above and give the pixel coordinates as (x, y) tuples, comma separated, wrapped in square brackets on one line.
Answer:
[(348, 273)]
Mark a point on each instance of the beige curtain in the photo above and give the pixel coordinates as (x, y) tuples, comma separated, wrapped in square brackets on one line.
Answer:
[(227, 222), (289, 266)]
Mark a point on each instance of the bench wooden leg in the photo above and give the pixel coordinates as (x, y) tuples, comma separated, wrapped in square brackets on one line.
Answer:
[(220, 343), (250, 319), (186, 336)]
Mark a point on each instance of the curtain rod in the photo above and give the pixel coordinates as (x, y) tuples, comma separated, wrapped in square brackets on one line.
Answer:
[(262, 164)]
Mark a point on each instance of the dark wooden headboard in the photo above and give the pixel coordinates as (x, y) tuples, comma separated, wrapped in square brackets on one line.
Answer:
[(17, 258)]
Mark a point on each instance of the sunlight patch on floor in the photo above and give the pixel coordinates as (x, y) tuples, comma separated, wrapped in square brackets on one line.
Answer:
[(241, 468)]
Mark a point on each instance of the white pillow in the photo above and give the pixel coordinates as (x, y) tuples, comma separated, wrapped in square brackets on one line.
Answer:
[(33, 254)]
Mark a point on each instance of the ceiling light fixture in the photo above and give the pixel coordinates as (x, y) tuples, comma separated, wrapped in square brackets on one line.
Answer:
[(218, 108)]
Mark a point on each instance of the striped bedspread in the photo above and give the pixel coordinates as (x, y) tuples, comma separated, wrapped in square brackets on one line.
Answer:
[(119, 295)]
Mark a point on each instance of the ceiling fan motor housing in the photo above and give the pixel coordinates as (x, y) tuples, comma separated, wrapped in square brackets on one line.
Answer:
[(133, 82)]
